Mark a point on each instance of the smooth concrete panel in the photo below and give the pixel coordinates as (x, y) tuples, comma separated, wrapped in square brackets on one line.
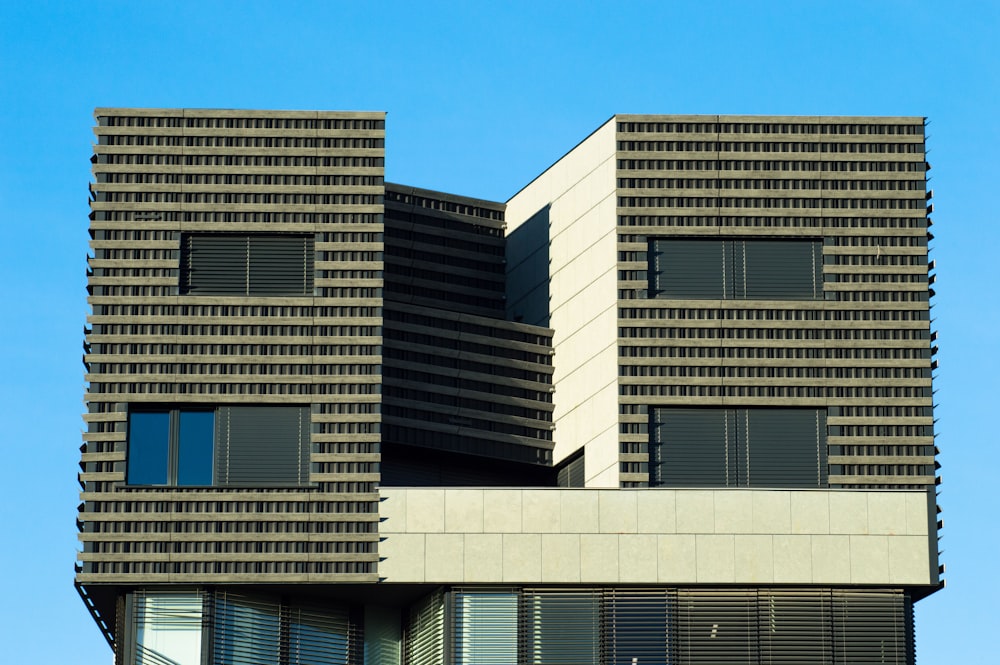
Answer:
[(392, 512), (638, 557), (444, 556), (831, 559), (579, 510), (754, 558), (772, 512), (541, 512), (600, 460), (716, 558), (733, 511), (792, 559), (483, 557), (886, 513), (599, 557), (908, 560), (617, 511), (561, 558), (848, 512), (402, 557), (522, 557), (677, 559), (502, 511), (463, 510), (869, 559), (657, 511), (917, 519), (425, 510), (695, 511), (810, 512), (588, 536)]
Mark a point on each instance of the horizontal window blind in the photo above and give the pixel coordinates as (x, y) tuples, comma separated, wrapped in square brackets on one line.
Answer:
[(250, 630), (247, 264), (262, 445), (757, 447), (423, 637), (716, 269)]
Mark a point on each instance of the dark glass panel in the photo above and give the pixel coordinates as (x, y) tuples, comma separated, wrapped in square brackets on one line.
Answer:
[(148, 448), (196, 447)]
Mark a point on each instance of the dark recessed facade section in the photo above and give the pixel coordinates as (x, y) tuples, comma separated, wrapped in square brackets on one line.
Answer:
[(444, 251)]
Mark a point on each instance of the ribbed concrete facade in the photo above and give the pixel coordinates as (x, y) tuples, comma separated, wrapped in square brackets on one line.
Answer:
[(670, 403)]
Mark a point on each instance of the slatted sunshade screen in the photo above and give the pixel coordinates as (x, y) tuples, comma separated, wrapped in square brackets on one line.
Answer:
[(423, 637), (560, 626), (250, 630), (262, 445), (717, 269), (246, 264), (738, 448)]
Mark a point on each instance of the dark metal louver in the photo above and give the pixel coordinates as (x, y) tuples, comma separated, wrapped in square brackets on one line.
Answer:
[(715, 269), (262, 445), (246, 264), (738, 448)]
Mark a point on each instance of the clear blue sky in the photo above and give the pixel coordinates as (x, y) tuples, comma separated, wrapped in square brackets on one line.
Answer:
[(481, 97)]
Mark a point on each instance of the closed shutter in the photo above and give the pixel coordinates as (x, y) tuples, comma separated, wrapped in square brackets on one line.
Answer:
[(262, 445), (713, 269), (688, 269), (690, 448), (280, 265), (215, 264), (738, 448), (786, 448), (247, 264), (783, 269)]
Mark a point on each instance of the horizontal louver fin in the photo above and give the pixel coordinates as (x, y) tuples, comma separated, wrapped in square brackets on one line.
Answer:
[(872, 627)]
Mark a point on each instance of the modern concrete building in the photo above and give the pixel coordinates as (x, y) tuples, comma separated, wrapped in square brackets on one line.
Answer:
[(671, 403)]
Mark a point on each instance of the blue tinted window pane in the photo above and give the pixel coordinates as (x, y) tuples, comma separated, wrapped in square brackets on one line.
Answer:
[(148, 448), (196, 447)]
